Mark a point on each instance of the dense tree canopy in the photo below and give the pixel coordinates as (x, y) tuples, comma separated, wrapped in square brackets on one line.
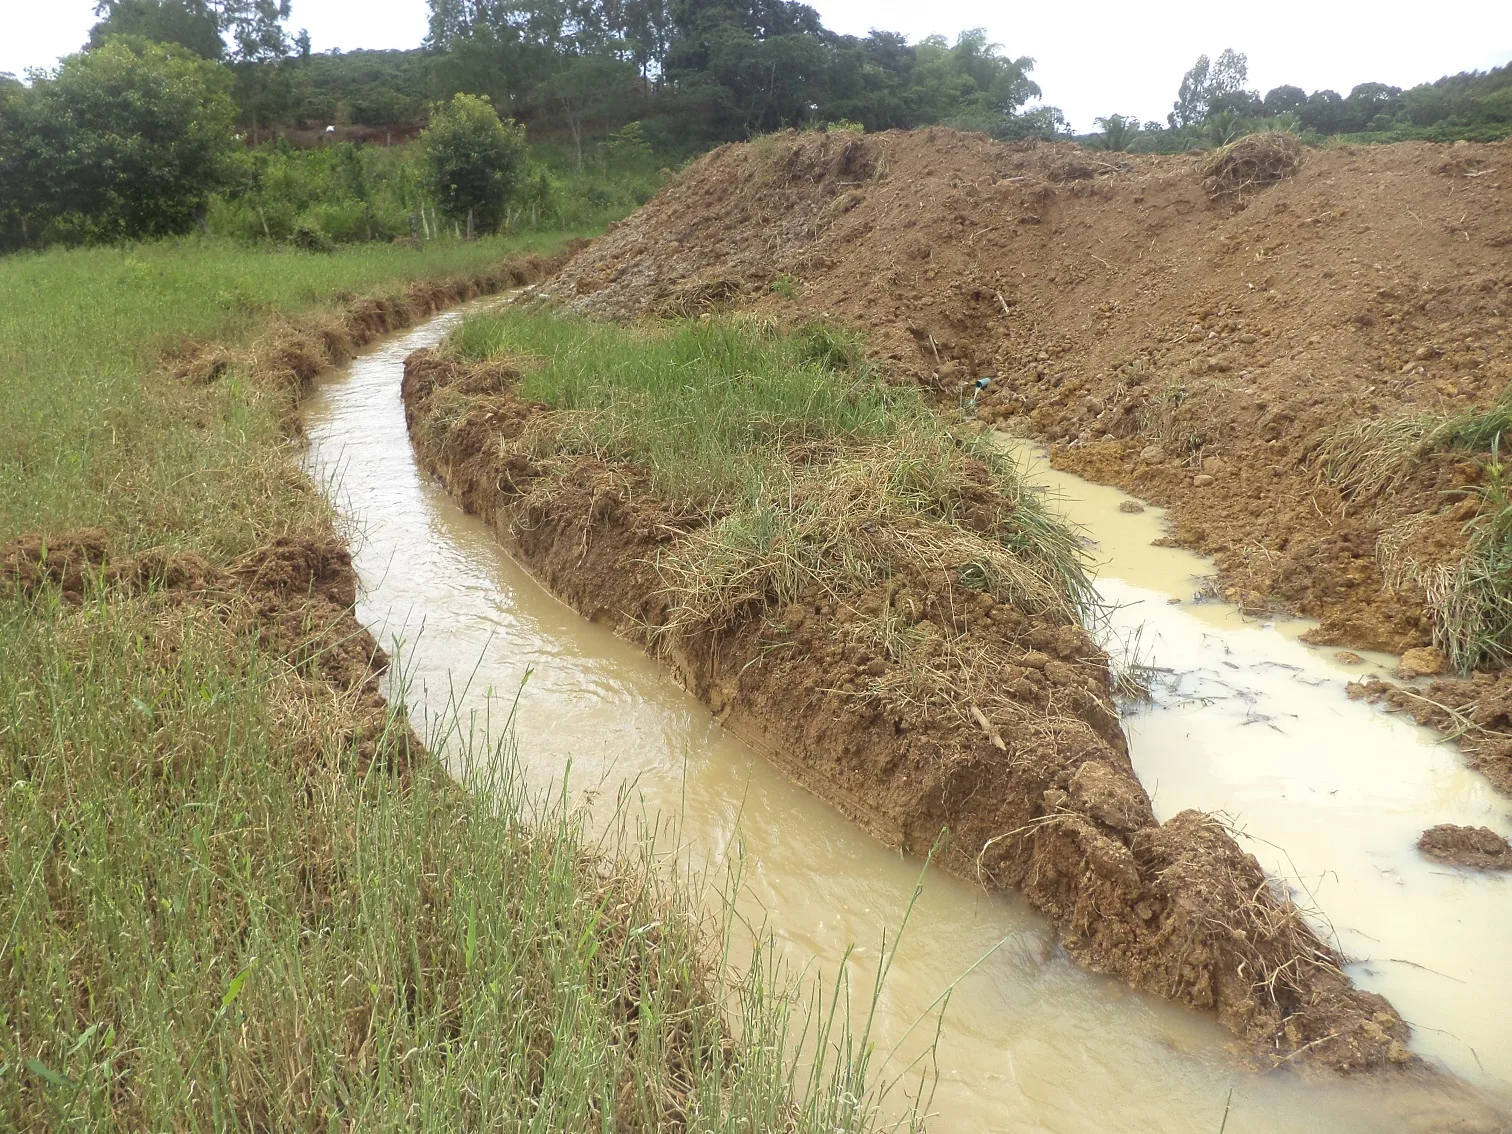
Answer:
[(1214, 106), (130, 138), (254, 29), (713, 70), (125, 141)]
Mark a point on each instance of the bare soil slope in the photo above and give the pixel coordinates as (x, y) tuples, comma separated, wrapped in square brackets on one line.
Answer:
[(1185, 343)]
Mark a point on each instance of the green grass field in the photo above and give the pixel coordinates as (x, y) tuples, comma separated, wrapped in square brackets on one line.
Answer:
[(216, 912), (95, 436)]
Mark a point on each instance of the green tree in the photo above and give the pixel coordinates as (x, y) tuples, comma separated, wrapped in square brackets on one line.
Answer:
[(254, 28), (1285, 99), (1324, 112), (475, 163), (1116, 131), (1214, 87), (123, 142), (163, 21), (628, 148), (588, 87), (1370, 101)]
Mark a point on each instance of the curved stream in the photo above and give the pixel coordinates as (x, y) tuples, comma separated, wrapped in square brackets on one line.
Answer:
[(1030, 1042)]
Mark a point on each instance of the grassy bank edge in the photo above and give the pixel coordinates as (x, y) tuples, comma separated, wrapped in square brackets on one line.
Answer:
[(159, 973), (626, 485)]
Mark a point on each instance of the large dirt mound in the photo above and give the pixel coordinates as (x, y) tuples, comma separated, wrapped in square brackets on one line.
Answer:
[(1185, 327)]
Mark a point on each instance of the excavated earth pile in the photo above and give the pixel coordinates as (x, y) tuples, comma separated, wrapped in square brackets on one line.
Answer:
[(1026, 766), (1209, 332)]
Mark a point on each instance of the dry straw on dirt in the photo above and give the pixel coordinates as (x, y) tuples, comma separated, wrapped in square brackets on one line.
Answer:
[(1252, 162)]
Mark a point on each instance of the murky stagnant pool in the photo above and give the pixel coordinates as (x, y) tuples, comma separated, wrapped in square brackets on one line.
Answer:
[(1031, 1043)]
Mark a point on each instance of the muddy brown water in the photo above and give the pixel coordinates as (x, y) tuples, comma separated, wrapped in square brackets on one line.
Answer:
[(1030, 1042)]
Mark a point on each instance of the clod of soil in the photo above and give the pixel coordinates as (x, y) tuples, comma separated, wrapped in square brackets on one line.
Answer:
[(1477, 847), (1425, 661), (1042, 798)]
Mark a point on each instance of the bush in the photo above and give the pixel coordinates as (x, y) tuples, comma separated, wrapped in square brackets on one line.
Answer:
[(475, 163), (309, 236), (126, 141)]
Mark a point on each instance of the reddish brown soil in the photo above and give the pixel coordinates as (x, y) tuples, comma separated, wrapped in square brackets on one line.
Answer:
[(1041, 798), (1096, 289), (1477, 847), (1188, 348), (1476, 711)]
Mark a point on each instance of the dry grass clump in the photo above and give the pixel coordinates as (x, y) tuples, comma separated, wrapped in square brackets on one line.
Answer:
[(1470, 601), (1181, 417), (700, 297), (1252, 162), (912, 505), (1367, 460), (1370, 459)]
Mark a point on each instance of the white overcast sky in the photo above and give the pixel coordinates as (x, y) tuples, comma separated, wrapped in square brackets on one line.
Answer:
[(1092, 59)]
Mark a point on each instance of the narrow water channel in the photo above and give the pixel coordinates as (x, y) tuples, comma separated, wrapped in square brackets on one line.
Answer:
[(1331, 792), (1030, 1043)]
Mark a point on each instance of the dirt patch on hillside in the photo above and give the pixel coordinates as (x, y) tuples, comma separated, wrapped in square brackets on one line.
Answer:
[(1183, 327), (1028, 771), (1477, 847)]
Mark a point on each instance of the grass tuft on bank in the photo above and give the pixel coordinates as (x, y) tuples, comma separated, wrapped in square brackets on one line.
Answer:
[(798, 480), (96, 435), (1470, 601), (228, 898), (810, 470)]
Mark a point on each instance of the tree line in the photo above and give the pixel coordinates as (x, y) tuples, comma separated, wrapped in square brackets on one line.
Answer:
[(152, 129), (1214, 105)]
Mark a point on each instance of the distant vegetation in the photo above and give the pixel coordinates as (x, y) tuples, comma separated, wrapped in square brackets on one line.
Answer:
[(610, 94), (1214, 105)]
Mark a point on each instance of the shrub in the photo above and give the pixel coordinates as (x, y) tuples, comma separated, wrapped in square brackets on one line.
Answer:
[(475, 163)]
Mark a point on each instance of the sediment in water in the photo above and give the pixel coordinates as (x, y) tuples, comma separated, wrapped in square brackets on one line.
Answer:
[(1035, 789)]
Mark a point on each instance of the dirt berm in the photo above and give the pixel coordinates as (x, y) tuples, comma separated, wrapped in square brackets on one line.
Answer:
[(1188, 332), (1017, 752)]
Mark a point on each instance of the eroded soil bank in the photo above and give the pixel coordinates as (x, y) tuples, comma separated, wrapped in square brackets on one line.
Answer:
[(1190, 345), (1034, 786)]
